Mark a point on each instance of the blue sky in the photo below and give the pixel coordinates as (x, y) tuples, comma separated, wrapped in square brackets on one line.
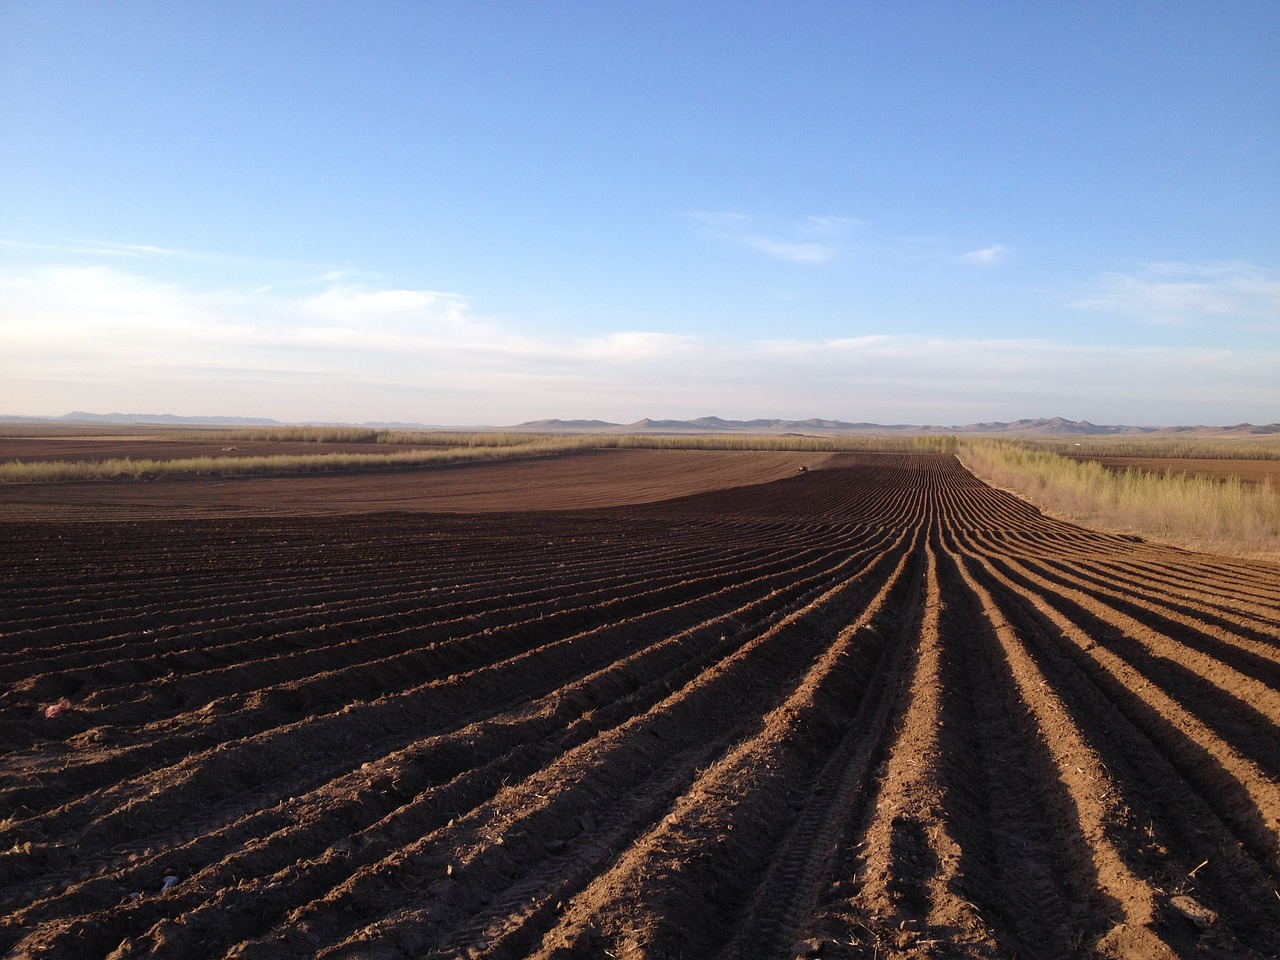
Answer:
[(465, 213)]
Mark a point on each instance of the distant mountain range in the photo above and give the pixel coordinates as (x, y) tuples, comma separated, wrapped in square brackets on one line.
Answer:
[(170, 420), (1055, 426)]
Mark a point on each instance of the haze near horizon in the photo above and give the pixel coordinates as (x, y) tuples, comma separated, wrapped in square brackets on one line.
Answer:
[(465, 214)]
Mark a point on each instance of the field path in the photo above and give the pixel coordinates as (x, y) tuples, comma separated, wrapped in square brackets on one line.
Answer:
[(876, 709)]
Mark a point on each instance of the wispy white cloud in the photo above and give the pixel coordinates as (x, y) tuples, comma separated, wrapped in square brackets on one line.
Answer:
[(987, 256), (138, 250), (831, 239), (832, 225), (408, 310), (814, 239), (100, 249), (1237, 294), (630, 347), (101, 338), (790, 250)]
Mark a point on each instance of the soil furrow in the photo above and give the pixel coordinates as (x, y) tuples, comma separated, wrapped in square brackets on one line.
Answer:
[(550, 804), (271, 705), (688, 892), (1154, 749), (677, 659), (873, 709), (792, 885), (1140, 598), (1091, 790), (1157, 664)]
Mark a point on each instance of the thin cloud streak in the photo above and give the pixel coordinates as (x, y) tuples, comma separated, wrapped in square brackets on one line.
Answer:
[(809, 240), (1180, 294), (103, 248), (831, 239), (795, 252), (987, 256), (90, 337)]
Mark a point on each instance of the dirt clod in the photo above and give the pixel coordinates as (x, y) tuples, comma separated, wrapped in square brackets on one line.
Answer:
[(1200, 916)]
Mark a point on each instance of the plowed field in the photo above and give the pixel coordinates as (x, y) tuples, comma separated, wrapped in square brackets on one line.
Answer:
[(594, 478), (872, 710), (1250, 472)]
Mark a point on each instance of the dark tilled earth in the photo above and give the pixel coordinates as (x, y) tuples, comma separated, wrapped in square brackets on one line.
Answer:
[(872, 710)]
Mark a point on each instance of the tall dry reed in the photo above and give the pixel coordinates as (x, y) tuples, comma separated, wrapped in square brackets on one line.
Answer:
[(1179, 508)]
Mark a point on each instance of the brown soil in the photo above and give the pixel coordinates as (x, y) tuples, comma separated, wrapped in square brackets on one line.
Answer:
[(872, 710), (1247, 471), (81, 449), (594, 478)]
